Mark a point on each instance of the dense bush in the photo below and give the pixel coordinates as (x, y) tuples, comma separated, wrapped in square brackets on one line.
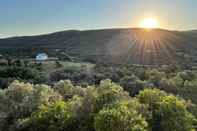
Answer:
[(172, 79), (90, 100), (19, 100), (23, 73), (56, 116), (168, 112), (133, 84), (119, 118), (104, 107)]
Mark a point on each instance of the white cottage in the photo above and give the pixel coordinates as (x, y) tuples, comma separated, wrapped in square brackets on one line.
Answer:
[(41, 57)]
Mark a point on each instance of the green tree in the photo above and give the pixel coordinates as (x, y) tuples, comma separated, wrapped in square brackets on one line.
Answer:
[(109, 93), (53, 117), (119, 118), (167, 111), (154, 76), (132, 84), (21, 99), (68, 90), (172, 114)]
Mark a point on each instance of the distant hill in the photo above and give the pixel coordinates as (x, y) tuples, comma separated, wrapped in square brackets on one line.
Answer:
[(121, 46)]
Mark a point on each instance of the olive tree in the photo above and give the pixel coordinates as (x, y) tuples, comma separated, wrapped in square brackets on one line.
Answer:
[(168, 112), (119, 118)]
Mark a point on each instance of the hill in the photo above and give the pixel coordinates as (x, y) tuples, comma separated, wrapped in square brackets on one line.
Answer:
[(133, 46)]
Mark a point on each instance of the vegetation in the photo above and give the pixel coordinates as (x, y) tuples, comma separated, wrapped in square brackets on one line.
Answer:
[(103, 107), (59, 96), (178, 80), (119, 118)]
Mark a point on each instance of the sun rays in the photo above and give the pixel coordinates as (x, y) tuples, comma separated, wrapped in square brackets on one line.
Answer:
[(144, 47)]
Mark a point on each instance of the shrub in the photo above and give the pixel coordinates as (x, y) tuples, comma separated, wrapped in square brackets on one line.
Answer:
[(168, 112), (119, 118)]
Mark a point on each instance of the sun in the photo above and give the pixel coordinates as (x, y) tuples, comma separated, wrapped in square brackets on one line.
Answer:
[(149, 23)]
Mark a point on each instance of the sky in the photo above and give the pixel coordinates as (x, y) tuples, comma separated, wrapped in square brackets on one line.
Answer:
[(32, 17)]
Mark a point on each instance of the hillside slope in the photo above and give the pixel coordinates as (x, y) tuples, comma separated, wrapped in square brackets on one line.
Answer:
[(136, 46)]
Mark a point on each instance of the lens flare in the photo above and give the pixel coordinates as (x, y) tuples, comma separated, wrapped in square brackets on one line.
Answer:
[(149, 23)]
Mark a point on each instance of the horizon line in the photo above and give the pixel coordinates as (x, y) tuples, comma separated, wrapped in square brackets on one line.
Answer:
[(94, 29)]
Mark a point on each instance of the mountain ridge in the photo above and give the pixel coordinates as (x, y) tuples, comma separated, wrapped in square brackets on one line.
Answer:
[(84, 30), (118, 45)]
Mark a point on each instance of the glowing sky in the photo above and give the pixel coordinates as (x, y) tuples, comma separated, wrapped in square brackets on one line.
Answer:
[(29, 17)]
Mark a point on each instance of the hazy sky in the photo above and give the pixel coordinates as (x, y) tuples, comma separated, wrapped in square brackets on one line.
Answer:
[(29, 17)]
